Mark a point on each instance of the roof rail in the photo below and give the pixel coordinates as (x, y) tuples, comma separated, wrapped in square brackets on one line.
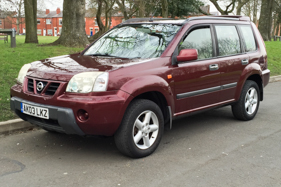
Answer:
[(145, 19), (224, 17)]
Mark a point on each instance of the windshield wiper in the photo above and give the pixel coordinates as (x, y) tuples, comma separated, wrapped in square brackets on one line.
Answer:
[(105, 54)]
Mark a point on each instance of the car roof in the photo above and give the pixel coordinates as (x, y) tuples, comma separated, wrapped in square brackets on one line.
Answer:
[(183, 21)]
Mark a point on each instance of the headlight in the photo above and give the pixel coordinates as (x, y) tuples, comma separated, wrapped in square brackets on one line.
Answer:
[(23, 72), (88, 82)]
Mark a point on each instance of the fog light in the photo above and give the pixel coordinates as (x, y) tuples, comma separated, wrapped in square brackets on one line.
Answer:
[(82, 115)]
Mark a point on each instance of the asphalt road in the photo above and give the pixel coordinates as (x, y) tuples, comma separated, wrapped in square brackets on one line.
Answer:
[(208, 149)]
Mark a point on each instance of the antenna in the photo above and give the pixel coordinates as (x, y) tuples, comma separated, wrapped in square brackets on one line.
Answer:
[(151, 18)]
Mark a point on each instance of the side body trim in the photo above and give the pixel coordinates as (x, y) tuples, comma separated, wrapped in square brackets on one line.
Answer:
[(204, 91)]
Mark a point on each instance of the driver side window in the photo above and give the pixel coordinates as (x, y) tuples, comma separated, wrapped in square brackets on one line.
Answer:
[(201, 40)]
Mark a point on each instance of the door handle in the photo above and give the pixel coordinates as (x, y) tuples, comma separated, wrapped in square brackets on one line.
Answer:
[(245, 61), (213, 67)]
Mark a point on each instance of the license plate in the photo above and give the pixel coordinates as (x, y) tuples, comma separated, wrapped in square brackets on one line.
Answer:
[(35, 111)]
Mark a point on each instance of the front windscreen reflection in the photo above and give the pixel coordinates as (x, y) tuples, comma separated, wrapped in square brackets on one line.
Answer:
[(134, 41)]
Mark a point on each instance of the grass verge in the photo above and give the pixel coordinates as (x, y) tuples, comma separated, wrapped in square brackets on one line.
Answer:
[(273, 50)]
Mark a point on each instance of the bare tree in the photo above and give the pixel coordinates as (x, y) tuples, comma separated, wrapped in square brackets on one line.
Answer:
[(107, 4), (128, 8), (228, 8), (241, 3), (30, 7), (73, 27), (14, 8)]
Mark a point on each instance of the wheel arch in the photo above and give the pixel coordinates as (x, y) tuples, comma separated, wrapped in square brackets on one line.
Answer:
[(152, 88), (251, 72)]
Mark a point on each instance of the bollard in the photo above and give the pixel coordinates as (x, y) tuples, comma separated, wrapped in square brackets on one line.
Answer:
[(13, 38)]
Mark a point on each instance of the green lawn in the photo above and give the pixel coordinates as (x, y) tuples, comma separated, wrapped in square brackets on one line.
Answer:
[(273, 50), (12, 59)]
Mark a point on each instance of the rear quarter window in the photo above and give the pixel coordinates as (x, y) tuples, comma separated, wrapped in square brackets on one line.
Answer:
[(248, 37)]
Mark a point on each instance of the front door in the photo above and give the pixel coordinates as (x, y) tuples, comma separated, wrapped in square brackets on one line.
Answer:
[(55, 31), (197, 83)]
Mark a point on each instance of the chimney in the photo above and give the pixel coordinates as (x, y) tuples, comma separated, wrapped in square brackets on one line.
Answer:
[(47, 11), (58, 10)]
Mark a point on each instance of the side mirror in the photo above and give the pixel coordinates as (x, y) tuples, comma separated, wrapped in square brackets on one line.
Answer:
[(187, 55)]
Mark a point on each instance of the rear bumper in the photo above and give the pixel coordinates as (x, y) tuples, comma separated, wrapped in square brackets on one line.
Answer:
[(265, 77), (60, 119)]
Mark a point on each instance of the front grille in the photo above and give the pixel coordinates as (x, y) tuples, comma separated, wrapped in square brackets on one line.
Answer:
[(52, 88), (30, 86), (49, 87)]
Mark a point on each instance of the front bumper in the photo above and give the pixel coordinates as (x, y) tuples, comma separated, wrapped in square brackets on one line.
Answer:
[(105, 110), (60, 119)]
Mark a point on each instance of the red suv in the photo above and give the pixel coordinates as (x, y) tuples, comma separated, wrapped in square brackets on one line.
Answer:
[(140, 75)]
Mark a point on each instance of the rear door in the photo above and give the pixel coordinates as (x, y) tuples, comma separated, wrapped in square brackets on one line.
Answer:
[(231, 57)]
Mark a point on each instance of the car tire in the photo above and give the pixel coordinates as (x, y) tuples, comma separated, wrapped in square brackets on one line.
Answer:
[(141, 129), (247, 106)]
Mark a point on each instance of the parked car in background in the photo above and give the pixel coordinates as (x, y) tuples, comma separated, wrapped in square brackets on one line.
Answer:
[(139, 76)]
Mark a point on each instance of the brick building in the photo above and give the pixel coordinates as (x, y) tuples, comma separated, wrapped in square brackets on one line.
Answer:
[(49, 23), (5, 22)]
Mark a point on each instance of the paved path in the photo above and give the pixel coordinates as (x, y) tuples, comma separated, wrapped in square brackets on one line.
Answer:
[(209, 149)]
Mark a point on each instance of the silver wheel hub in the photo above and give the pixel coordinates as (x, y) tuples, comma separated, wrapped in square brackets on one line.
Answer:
[(145, 130), (251, 101)]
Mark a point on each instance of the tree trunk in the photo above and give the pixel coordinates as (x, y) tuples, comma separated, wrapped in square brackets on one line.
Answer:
[(19, 21), (277, 29), (73, 32), (265, 21), (141, 8), (164, 8), (30, 7)]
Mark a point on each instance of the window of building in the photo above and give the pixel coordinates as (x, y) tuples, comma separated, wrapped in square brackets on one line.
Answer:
[(201, 40), (60, 21), (39, 31), (96, 23), (50, 32), (96, 31), (38, 22), (48, 21), (228, 40), (248, 37), (0, 22), (60, 30)]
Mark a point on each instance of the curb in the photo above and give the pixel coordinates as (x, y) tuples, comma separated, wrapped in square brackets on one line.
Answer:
[(10, 126), (275, 79)]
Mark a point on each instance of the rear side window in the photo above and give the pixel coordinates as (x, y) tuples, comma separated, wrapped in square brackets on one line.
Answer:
[(201, 40), (228, 40), (248, 37)]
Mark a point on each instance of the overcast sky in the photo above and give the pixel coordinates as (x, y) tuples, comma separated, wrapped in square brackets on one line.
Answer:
[(53, 5)]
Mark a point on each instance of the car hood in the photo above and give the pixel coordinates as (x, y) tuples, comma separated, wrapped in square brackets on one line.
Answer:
[(62, 68)]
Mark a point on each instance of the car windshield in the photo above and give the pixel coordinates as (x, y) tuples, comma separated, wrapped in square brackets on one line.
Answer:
[(134, 41)]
